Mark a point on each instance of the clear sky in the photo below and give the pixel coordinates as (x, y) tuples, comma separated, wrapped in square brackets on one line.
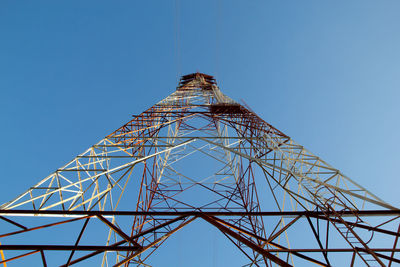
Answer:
[(326, 73)]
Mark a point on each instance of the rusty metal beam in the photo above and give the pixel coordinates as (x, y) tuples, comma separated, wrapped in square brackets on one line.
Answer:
[(67, 247), (250, 244), (118, 231), (77, 241), (198, 213), (150, 230)]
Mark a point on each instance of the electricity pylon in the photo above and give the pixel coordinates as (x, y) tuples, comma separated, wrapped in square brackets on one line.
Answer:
[(199, 155)]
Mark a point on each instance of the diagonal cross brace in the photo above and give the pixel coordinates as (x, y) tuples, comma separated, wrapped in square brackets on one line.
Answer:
[(118, 231), (250, 244)]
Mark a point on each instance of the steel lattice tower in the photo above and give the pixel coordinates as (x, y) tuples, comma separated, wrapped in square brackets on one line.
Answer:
[(278, 203)]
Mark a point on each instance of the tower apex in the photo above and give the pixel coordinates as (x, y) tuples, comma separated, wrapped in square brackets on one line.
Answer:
[(196, 80)]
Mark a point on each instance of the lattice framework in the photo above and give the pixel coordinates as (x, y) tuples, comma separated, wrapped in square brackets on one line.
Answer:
[(133, 185)]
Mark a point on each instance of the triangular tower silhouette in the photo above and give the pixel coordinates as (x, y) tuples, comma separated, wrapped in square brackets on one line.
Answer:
[(199, 155)]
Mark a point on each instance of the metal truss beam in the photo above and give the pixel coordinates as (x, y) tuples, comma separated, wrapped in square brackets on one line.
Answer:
[(66, 213), (133, 189)]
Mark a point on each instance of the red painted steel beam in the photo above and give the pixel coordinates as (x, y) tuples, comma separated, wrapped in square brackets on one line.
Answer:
[(150, 230), (37, 248), (76, 243), (271, 243), (67, 247), (311, 250), (209, 213), (118, 231), (250, 244), (18, 257), (359, 226)]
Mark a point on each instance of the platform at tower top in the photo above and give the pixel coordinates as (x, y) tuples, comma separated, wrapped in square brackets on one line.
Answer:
[(188, 81)]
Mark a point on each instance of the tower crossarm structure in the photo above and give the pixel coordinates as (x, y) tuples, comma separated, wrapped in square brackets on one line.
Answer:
[(198, 155)]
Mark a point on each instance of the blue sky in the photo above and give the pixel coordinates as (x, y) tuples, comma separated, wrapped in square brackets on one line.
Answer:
[(324, 72)]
